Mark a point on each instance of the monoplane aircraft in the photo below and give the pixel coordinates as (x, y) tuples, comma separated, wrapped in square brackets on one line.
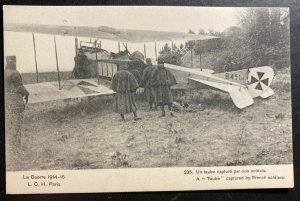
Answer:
[(242, 85)]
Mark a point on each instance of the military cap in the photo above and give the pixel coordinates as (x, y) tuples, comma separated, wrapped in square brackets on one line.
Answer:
[(10, 59), (160, 61), (148, 61)]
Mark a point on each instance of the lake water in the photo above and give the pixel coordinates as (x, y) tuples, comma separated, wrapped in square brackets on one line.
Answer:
[(21, 45)]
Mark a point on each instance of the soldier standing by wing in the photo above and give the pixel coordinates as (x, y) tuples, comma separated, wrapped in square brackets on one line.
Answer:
[(146, 83), (81, 69), (125, 85), (162, 80), (15, 93)]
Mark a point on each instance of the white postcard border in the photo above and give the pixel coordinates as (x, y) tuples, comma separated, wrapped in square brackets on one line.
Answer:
[(150, 179)]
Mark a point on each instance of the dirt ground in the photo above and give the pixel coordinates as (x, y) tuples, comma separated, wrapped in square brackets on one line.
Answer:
[(88, 134)]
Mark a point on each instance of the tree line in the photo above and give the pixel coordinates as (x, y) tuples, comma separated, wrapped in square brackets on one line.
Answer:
[(262, 38)]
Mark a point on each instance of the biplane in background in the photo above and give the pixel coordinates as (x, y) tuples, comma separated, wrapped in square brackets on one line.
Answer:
[(242, 85), (102, 65)]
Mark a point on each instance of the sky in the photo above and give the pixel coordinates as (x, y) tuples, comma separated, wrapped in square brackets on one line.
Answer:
[(177, 19)]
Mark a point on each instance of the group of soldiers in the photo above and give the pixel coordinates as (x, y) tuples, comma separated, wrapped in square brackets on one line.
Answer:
[(157, 82)]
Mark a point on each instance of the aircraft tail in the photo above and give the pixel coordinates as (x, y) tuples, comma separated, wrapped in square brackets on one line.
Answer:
[(239, 94), (259, 81)]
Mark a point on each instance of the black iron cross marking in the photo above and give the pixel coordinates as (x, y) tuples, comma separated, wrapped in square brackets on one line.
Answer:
[(259, 80)]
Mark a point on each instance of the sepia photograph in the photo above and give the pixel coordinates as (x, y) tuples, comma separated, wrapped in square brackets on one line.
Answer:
[(113, 88)]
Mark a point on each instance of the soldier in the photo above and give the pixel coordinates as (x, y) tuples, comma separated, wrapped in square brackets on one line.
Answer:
[(81, 69), (125, 86), (162, 80), (15, 92), (135, 73), (146, 83)]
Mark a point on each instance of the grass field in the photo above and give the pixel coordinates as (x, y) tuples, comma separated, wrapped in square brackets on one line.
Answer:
[(89, 135)]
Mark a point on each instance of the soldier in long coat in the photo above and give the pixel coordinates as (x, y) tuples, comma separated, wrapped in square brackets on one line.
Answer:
[(15, 94), (125, 86), (82, 69), (162, 80), (146, 83), (136, 75)]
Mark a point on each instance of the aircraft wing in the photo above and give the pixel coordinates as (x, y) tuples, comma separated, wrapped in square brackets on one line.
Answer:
[(238, 92), (102, 32), (239, 95), (205, 74), (49, 91)]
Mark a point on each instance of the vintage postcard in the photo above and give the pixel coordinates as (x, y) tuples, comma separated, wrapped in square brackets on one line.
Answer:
[(127, 99)]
